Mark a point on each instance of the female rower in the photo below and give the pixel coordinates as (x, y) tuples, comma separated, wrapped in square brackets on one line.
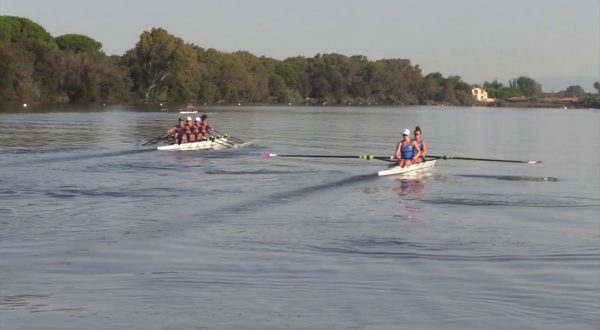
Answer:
[(407, 151), (177, 131), (190, 130), (421, 143), (208, 129), (199, 129)]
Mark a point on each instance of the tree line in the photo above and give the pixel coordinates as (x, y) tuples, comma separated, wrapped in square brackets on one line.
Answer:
[(34, 66)]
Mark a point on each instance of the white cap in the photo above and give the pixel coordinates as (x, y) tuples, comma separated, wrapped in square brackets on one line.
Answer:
[(189, 118), (198, 119), (406, 131)]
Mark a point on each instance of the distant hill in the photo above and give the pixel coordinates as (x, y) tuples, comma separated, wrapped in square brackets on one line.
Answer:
[(557, 84)]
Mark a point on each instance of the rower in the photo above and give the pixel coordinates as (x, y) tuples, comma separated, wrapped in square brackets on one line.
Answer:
[(188, 131), (407, 151), (199, 129), (177, 131), (207, 127), (191, 131), (421, 143), (190, 107)]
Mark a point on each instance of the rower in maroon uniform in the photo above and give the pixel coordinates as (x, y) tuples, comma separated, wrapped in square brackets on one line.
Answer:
[(177, 131), (207, 128)]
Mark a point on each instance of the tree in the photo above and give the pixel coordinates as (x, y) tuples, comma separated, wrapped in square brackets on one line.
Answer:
[(597, 86), (526, 86), (497, 90), (575, 90), (14, 29), (17, 70), (78, 43), (162, 66)]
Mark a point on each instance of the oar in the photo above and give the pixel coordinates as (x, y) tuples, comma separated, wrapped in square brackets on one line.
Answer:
[(218, 139), (366, 157), (233, 138), (486, 159), (155, 140)]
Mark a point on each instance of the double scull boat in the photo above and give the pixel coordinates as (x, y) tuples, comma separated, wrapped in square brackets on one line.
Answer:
[(423, 166)]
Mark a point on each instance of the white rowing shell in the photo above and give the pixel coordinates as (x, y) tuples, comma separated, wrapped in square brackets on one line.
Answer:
[(198, 145), (424, 166)]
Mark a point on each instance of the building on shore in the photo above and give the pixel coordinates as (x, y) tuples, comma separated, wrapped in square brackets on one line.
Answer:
[(480, 95)]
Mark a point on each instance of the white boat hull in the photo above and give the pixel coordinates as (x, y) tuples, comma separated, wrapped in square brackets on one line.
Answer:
[(198, 145), (424, 166)]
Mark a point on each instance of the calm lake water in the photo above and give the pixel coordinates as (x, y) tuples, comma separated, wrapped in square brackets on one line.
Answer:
[(99, 232)]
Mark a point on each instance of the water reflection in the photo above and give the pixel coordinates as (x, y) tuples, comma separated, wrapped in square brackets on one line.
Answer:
[(410, 190)]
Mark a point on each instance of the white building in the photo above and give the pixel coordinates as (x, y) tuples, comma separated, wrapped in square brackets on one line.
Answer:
[(480, 95)]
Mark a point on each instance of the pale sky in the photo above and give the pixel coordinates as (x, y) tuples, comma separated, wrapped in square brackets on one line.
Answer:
[(479, 40)]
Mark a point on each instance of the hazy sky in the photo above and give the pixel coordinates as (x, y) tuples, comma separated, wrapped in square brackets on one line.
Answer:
[(476, 39)]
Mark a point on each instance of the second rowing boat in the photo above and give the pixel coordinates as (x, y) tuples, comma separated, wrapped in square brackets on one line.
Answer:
[(213, 143)]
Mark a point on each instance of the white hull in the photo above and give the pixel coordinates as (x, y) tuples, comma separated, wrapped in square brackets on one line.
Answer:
[(198, 145), (188, 112), (424, 166)]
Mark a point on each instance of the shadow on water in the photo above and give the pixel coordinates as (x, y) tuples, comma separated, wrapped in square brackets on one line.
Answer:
[(292, 195), (511, 177), (513, 200), (372, 251), (261, 171), (83, 157)]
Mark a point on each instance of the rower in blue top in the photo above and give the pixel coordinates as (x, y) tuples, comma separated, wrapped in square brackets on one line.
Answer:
[(407, 150), (421, 143)]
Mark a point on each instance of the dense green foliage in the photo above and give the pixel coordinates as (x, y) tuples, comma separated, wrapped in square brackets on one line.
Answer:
[(499, 91), (526, 85), (34, 66), (78, 43), (18, 29), (575, 90)]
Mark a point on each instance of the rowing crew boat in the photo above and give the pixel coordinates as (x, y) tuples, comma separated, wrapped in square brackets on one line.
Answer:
[(213, 143), (424, 166)]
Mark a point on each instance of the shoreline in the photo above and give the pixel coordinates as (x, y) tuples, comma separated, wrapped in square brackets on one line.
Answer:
[(172, 107)]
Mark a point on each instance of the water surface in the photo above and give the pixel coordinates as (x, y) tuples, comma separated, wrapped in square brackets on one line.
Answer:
[(97, 231)]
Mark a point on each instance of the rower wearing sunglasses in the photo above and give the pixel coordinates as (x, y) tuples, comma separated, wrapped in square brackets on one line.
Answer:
[(421, 143)]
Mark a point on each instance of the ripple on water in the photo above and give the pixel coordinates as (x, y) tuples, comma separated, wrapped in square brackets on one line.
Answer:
[(512, 200)]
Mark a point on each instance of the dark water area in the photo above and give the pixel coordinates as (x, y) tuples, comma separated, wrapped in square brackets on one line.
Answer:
[(100, 232)]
